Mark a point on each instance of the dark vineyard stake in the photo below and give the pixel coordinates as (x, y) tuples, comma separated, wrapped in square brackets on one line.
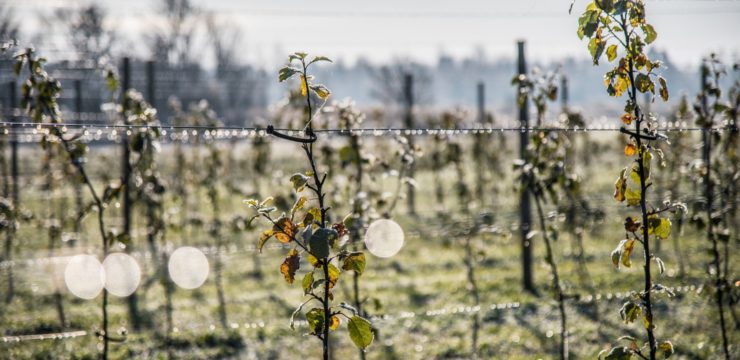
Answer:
[(564, 93), (151, 84), (13, 97), (480, 168), (79, 206), (126, 183), (408, 93), (525, 214)]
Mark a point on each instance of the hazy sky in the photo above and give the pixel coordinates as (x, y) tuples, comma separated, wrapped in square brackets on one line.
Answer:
[(422, 29)]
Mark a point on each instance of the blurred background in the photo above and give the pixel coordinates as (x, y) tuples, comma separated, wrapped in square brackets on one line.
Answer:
[(228, 51), (456, 288)]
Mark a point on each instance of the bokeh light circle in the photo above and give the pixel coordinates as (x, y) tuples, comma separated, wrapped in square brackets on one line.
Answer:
[(188, 267), (122, 274), (84, 276), (384, 238)]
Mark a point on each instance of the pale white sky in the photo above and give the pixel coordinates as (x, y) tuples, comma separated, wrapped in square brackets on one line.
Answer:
[(422, 29)]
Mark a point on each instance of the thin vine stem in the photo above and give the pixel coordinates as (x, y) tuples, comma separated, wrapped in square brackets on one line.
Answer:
[(643, 195)]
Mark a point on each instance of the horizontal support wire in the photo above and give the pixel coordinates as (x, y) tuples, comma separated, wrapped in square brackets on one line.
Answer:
[(361, 131), (457, 312), (29, 132)]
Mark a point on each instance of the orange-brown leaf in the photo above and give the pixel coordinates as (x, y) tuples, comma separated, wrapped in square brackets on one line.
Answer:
[(284, 230), (630, 150), (290, 265), (627, 118), (266, 235)]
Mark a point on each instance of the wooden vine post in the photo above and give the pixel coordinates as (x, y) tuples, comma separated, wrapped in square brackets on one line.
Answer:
[(525, 213)]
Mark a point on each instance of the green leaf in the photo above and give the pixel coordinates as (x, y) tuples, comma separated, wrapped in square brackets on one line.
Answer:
[(667, 348), (299, 181), (321, 241), (611, 52), (307, 282), (319, 58), (647, 158), (355, 261), (617, 254), (596, 48), (643, 83), (111, 192), (588, 23), (360, 332), (663, 88), (287, 72), (650, 33), (629, 312), (347, 154), (315, 318), (606, 5), (619, 353)]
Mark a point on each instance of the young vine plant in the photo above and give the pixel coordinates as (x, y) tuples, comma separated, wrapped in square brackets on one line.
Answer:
[(715, 172), (543, 173), (620, 29), (307, 229), (39, 94)]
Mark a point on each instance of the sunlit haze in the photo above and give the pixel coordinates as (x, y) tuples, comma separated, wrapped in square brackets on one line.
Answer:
[(383, 29)]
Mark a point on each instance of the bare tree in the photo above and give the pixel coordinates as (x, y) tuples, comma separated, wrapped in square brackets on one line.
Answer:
[(225, 40), (173, 42), (240, 83), (388, 83), (86, 31), (9, 27)]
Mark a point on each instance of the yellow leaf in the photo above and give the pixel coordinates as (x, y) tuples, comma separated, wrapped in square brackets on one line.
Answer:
[(667, 348), (632, 196), (313, 260), (663, 231), (321, 91), (298, 204), (620, 185), (315, 214), (335, 321), (304, 90), (627, 251), (611, 52), (267, 201), (333, 275), (621, 85), (660, 227)]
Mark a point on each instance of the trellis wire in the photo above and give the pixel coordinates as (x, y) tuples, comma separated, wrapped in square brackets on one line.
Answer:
[(457, 311), (30, 132)]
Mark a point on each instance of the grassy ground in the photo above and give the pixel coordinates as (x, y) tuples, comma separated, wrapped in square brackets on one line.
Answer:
[(420, 299)]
